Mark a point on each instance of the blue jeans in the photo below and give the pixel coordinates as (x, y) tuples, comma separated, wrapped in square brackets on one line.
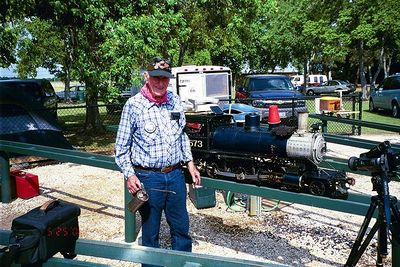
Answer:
[(167, 192)]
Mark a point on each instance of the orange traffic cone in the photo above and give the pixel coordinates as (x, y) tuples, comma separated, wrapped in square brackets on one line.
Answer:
[(273, 115)]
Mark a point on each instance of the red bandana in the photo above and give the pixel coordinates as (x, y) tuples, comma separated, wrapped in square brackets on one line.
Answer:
[(147, 94)]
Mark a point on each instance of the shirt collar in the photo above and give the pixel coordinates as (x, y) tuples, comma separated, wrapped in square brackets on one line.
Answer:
[(169, 104)]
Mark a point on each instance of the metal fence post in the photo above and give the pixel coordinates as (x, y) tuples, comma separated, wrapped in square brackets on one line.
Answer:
[(353, 108), (324, 126), (130, 218), (395, 244), (360, 113), (5, 177)]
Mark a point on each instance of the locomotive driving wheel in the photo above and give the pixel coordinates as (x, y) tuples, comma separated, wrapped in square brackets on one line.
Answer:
[(351, 181), (211, 170), (240, 173), (317, 188)]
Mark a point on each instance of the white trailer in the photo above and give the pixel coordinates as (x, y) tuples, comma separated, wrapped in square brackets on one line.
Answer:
[(200, 86)]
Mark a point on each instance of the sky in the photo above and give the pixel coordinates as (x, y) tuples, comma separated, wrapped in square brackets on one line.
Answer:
[(11, 72)]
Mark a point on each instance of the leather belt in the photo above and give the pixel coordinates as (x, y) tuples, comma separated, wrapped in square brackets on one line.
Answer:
[(162, 170)]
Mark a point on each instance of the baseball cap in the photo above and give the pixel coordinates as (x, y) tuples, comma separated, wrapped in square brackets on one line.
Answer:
[(160, 67)]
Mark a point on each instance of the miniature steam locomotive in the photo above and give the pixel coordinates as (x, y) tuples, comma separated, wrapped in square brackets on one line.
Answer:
[(278, 157)]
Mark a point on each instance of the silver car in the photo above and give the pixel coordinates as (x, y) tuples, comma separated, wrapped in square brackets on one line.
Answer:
[(76, 92), (331, 86), (387, 96)]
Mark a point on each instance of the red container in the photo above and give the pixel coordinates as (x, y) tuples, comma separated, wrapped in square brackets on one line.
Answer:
[(27, 184)]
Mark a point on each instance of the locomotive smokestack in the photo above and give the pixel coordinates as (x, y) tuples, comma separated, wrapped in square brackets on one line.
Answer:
[(252, 122), (302, 125)]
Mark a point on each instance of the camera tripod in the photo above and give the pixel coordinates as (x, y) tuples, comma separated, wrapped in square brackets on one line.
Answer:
[(387, 209), (380, 226)]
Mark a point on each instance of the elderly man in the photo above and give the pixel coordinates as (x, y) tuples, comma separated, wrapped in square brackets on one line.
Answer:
[(151, 148)]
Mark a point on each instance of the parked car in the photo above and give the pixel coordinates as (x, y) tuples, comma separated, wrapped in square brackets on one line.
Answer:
[(387, 96), (263, 90), (76, 93), (329, 87), (36, 90), (115, 104), (239, 111)]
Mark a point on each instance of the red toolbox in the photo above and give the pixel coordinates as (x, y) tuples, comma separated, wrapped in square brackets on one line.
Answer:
[(26, 184)]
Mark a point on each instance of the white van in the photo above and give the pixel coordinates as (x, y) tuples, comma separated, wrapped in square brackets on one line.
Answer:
[(297, 80), (312, 79), (316, 79), (201, 84)]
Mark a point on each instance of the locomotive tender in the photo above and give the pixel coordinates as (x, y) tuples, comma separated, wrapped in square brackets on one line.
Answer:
[(273, 156)]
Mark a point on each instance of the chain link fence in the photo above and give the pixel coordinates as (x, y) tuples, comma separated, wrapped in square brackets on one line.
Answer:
[(71, 118), (350, 106)]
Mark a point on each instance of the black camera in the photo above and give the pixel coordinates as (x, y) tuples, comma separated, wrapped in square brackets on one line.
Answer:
[(380, 158)]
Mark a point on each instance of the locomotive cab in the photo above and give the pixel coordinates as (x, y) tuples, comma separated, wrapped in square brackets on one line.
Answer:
[(200, 126)]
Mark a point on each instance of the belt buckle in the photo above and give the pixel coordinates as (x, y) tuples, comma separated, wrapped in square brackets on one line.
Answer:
[(166, 169)]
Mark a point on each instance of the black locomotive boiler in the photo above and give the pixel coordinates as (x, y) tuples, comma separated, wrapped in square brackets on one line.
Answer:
[(280, 157)]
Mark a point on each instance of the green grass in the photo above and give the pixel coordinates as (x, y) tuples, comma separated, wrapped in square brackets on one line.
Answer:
[(60, 86), (384, 117), (340, 128)]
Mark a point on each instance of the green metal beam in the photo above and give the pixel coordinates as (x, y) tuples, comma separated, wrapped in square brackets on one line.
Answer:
[(355, 204), (157, 256), (164, 257), (375, 125), (58, 262), (60, 154), (356, 142), (5, 177)]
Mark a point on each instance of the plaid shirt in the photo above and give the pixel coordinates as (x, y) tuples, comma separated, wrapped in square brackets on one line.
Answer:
[(151, 136)]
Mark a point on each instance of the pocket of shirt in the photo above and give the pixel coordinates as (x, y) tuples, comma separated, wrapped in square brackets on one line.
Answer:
[(175, 127)]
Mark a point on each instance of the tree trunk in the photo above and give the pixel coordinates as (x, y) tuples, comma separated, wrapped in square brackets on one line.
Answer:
[(305, 71), (363, 81), (93, 121), (67, 82), (387, 65), (182, 51), (378, 70), (371, 84), (387, 61)]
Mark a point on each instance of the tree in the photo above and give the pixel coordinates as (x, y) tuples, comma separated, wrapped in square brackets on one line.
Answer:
[(48, 46), (370, 30), (11, 13)]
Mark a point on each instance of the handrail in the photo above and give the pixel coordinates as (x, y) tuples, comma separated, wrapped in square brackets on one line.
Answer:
[(355, 204), (149, 255), (358, 206), (356, 142), (66, 155), (369, 124)]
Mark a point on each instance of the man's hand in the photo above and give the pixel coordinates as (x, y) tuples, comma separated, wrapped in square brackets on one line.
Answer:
[(133, 184), (194, 173)]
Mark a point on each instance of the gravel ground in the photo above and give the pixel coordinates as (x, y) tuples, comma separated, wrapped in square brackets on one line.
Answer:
[(292, 234)]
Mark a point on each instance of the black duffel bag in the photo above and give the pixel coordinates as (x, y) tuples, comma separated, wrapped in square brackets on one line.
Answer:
[(44, 231)]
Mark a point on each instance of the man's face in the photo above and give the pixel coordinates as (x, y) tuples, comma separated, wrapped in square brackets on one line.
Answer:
[(158, 85)]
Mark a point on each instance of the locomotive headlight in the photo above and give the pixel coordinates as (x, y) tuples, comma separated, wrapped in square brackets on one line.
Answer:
[(310, 145)]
